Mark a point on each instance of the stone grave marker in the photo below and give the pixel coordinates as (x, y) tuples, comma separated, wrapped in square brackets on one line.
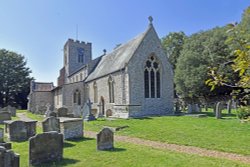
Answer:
[(218, 110), (52, 114), (45, 147), (4, 116), (62, 112), (1, 135), (8, 158), (71, 127), (16, 130), (105, 139), (51, 124)]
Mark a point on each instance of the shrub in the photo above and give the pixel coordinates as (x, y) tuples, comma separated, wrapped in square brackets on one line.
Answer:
[(243, 112)]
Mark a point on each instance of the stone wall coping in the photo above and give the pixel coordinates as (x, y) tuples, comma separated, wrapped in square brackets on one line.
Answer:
[(67, 119), (26, 121)]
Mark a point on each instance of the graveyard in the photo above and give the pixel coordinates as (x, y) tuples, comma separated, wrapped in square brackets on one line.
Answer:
[(227, 135)]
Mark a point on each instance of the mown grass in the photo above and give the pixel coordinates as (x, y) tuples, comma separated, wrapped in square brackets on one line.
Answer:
[(226, 134), (83, 152)]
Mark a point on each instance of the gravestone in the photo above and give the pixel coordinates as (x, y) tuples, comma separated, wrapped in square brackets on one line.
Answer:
[(218, 110), (105, 139), (48, 110), (229, 106), (20, 130), (87, 111), (9, 109), (191, 108), (16, 130), (52, 114), (51, 124), (4, 116), (8, 158), (62, 112), (45, 147), (2, 143), (77, 111), (1, 135)]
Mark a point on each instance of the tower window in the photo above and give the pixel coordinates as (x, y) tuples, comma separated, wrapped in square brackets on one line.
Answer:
[(80, 55)]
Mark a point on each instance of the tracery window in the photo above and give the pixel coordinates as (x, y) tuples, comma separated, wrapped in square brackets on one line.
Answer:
[(152, 78)]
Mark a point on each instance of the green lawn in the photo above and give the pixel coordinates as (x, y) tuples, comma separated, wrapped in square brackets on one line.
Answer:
[(202, 132), (83, 153), (226, 134)]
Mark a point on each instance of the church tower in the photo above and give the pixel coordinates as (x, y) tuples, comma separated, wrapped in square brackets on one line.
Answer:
[(76, 55)]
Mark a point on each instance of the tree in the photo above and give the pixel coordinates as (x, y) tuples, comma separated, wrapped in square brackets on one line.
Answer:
[(239, 41), (173, 44), (200, 51), (14, 79)]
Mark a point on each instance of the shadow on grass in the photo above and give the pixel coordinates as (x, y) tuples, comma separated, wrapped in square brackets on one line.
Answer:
[(142, 118), (64, 162), (115, 150), (80, 139)]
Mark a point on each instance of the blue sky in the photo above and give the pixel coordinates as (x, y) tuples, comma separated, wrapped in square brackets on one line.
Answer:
[(38, 29)]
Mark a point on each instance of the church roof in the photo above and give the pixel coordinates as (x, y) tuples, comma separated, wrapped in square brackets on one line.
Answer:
[(117, 59)]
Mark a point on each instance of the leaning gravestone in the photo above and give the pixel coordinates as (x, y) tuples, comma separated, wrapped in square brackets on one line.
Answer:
[(218, 110), (62, 112), (8, 158), (45, 147), (51, 124), (105, 139)]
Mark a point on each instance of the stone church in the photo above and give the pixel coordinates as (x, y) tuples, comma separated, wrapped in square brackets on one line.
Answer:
[(133, 80)]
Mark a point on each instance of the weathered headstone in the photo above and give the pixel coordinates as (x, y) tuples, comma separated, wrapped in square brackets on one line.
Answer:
[(16, 130), (51, 124), (218, 110), (105, 139), (8, 158), (4, 116), (77, 111), (62, 112), (1, 135), (2, 143), (52, 114), (190, 108), (87, 111), (229, 105), (45, 147), (20, 130), (9, 109)]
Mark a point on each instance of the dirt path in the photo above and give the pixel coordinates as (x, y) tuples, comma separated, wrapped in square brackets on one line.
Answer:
[(178, 148), (166, 146)]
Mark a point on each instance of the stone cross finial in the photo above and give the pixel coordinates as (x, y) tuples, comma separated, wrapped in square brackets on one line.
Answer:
[(150, 18)]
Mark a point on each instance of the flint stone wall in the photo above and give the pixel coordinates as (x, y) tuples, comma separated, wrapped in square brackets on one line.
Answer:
[(71, 127)]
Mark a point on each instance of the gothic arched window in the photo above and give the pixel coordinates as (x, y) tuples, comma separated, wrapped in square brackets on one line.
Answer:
[(77, 97), (95, 92), (111, 90), (152, 78)]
